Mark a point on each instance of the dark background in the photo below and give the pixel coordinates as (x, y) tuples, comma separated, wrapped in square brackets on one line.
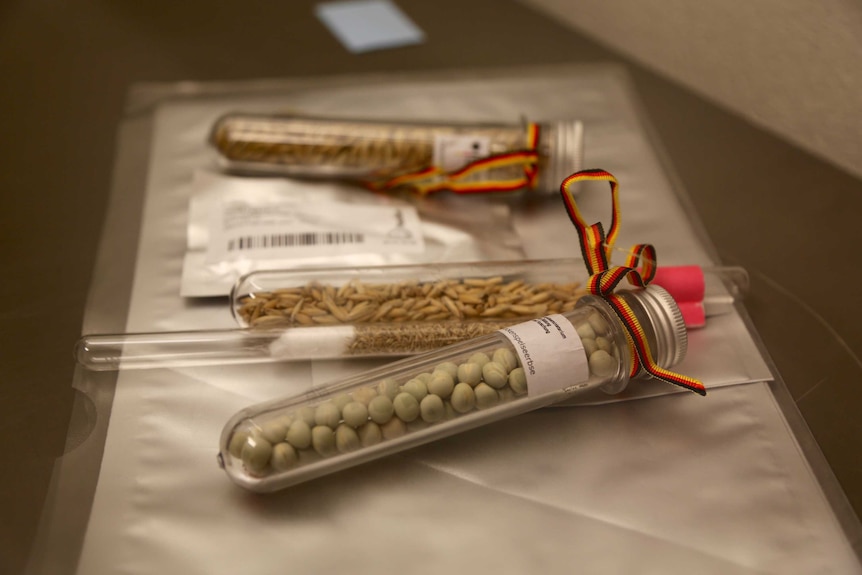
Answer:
[(788, 217)]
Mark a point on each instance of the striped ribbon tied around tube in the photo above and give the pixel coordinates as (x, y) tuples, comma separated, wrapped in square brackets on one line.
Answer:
[(435, 179), (596, 247)]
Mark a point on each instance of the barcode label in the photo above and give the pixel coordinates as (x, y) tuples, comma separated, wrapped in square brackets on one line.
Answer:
[(269, 228), (305, 239)]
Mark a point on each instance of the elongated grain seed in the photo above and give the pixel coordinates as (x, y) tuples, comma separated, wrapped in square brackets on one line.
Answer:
[(335, 310), (356, 302), (495, 311)]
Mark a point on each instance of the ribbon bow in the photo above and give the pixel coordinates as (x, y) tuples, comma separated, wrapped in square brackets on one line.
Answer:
[(435, 179), (596, 247)]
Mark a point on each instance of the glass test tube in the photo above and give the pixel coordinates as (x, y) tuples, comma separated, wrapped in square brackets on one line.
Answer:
[(536, 363), (373, 150), (391, 322)]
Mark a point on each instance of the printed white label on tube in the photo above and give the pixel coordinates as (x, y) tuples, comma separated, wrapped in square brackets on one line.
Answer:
[(454, 151), (551, 353)]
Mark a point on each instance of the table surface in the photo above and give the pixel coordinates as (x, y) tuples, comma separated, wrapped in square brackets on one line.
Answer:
[(768, 206)]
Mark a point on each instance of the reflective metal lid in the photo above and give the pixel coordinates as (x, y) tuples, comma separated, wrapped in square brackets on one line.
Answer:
[(668, 324)]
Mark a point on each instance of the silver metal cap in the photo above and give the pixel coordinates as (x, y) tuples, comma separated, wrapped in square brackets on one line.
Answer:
[(564, 142), (670, 331)]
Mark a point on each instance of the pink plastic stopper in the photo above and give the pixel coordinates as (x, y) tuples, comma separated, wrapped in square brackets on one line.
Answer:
[(686, 285)]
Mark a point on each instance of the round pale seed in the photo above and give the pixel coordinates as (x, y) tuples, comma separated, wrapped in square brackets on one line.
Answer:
[(441, 384), (364, 395), (603, 364), (494, 374), (393, 428), (341, 400), (306, 414), (463, 398), (323, 440), (589, 345), (237, 441), (299, 434), (327, 414), (432, 409), (479, 357), (518, 381), (355, 414), (416, 388), (406, 407), (274, 431), (388, 387), (380, 409), (486, 396), (449, 367), (370, 434), (598, 323), (505, 357), (256, 453), (284, 456), (470, 372), (603, 343), (585, 330), (346, 439)]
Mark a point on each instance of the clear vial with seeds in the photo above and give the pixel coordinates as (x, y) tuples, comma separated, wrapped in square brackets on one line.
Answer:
[(539, 362), (400, 310), (373, 150)]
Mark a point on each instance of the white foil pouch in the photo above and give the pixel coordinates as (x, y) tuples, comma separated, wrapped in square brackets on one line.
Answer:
[(237, 225)]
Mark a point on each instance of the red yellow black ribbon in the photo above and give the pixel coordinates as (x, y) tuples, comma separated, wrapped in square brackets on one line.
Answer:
[(435, 179), (596, 247)]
